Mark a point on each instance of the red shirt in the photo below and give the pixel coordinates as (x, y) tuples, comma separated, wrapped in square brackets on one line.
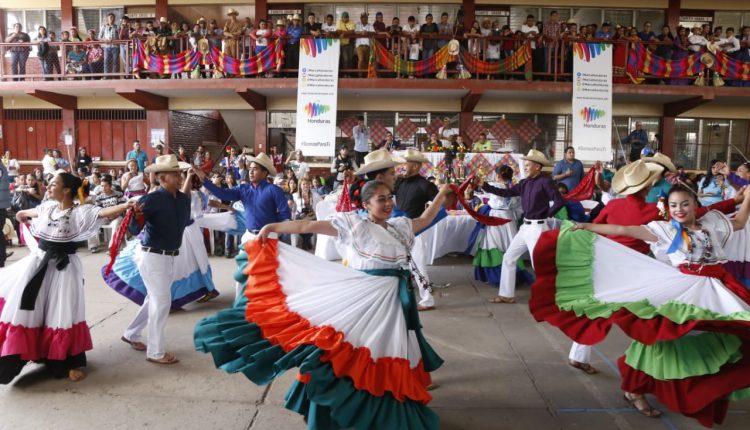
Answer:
[(632, 210)]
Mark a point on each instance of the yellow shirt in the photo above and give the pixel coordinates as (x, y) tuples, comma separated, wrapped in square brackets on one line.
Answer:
[(345, 27), (485, 146)]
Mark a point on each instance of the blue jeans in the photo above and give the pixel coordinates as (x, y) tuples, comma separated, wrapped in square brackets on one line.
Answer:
[(124, 57), (427, 53), (112, 59), (18, 63), (230, 243)]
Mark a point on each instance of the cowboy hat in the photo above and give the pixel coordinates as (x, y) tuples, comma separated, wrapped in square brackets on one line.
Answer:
[(414, 156), (231, 12), (453, 47), (163, 19), (201, 19), (263, 160), (295, 16), (280, 22), (537, 157), (378, 160), (635, 177), (166, 163), (662, 160)]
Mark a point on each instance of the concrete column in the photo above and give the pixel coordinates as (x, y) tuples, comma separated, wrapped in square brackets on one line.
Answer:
[(667, 135), (672, 14), (261, 131), (67, 14), (261, 10), (162, 9)]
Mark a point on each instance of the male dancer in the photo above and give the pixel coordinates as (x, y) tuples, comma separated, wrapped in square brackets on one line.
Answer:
[(264, 203), (413, 192), (166, 213), (536, 192)]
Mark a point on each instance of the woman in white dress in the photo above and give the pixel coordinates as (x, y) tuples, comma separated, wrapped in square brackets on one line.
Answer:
[(353, 332), (42, 313)]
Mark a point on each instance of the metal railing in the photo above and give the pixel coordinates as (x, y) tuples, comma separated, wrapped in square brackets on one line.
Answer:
[(551, 59)]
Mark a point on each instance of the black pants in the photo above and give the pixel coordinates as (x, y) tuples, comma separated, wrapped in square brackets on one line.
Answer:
[(359, 157), (3, 215), (11, 366), (292, 57)]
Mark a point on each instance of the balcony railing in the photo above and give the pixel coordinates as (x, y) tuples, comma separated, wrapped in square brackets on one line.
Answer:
[(483, 57)]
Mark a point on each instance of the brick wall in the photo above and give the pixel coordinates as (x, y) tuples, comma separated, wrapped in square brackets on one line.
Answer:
[(192, 129)]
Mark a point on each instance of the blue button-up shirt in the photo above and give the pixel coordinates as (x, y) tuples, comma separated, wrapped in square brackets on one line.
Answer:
[(294, 32), (576, 167), (264, 203), (140, 157), (166, 218)]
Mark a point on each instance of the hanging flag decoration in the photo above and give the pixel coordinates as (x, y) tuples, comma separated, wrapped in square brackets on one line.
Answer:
[(520, 57), (528, 130), (502, 130), (433, 127), (641, 60), (475, 129), (406, 129), (347, 125), (378, 132)]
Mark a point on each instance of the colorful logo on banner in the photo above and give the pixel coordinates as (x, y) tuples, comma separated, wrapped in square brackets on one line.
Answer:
[(590, 114), (316, 109), (315, 45), (589, 51)]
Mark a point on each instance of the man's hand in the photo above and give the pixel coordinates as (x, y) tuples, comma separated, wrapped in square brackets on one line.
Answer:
[(740, 196), (198, 172)]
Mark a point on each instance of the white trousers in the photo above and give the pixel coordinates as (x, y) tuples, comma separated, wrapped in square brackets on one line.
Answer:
[(524, 240), (157, 273), (580, 353)]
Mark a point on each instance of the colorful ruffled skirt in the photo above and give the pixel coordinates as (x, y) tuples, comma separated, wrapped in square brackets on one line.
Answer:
[(738, 254), (487, 244), (691, 329), (55, 331), (355, 337), (192, 273)]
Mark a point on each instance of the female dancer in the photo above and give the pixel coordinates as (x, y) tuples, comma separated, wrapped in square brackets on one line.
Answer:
[(193, 278), (42, 315), (355, 336), (689, 323)]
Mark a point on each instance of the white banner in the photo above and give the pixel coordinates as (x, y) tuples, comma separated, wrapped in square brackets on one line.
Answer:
[(317, 90), (592, 101)]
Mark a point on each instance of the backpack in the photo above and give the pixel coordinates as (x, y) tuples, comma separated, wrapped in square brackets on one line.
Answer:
[(43, 49)]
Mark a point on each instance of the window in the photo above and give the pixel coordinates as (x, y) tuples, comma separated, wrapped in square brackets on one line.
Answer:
[(93, 19), (728, 19), (563, 14), (698, 141), (655, 16), (32, 19), (588, 17), (621, 17), (518, 16)]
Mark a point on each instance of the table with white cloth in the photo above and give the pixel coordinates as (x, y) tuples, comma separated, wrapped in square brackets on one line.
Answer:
[(475, 163), (451, 234)]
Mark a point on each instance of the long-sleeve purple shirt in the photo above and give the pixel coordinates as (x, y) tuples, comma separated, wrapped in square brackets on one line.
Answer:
[(736, 180), (264, 203), (535, 193)]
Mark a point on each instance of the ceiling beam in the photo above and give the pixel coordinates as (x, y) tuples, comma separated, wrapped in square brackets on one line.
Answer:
[(674, 109), (146, 100), (61, 100), (256, 100), (470, 100)]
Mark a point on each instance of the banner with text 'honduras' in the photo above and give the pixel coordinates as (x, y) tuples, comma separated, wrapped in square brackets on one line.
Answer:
[(592, 101), (317, 90)]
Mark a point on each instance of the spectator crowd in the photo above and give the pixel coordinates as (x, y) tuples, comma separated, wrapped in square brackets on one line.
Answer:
[(103, 51)]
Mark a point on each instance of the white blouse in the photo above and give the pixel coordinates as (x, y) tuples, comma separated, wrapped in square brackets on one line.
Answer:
[(366, 245), (719, 228), (79, 223)]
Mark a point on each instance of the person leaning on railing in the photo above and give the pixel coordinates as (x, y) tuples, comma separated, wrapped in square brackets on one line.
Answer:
[(18, 54), (345, 27)]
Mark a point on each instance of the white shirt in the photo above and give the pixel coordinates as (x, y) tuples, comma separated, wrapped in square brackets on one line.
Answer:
[(730, 40), (361, 139), (366, 28), (261, 35), (48, 164), (696, 41), (13, 167), (525, 29), (328, 28)]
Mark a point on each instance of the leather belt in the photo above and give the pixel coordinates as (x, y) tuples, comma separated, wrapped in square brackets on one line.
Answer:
[(172, 253), (534, 221)]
